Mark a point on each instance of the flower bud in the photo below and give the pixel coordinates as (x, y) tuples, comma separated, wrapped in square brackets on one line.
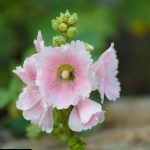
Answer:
[(88, 47), (62, 14), (63, 18), (59, 40), (62, 27), (55, 24), (73, 19), (67, 14), (60, 19), (71, 32)]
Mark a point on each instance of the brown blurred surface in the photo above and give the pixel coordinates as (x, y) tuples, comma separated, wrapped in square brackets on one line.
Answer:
[(127, 127)]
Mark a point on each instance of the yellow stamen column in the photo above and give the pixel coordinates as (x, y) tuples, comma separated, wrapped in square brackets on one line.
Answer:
[(65, 74)]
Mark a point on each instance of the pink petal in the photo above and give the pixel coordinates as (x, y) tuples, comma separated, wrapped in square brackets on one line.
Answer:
[(106, 71), (39, 43), (34, 113), (28, 73), (93, 79), (74, 120), (28, 98), (85, 115), (41, 115), (87, 108), (47, 122)]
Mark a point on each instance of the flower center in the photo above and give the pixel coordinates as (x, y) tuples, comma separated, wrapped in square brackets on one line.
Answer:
[(65, 73)]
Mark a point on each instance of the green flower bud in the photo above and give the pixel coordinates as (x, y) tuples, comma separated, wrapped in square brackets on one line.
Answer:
[(67, 14), (59, 40), (62, 27), (60, 19), (73, 19), (88, 47), (71, 32), (55, 24), (63, 18), (62, 14)]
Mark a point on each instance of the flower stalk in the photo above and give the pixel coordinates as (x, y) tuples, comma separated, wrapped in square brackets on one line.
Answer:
[(65, 26), (63, 132)]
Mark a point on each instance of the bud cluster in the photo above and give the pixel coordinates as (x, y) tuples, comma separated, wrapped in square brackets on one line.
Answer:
[(65, 26)]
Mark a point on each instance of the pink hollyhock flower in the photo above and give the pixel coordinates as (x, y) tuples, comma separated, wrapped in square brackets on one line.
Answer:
[(106, 71), (85, 115), (30, 101), (39, 43), (64, 75)]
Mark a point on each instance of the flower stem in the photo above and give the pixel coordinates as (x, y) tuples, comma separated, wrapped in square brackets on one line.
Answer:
[(63, 132)]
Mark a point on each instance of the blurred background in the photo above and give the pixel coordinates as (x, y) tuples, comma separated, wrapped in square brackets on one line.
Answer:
[(124, 22)]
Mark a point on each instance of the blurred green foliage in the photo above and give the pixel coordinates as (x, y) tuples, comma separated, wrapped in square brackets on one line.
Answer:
[(100, 21)]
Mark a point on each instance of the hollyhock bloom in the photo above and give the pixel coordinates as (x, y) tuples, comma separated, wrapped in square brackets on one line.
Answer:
[(85, 115), (30, 101), (64, 76), (106, 71)]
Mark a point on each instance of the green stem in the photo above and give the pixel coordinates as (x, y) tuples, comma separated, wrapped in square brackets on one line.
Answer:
[(63, 132)]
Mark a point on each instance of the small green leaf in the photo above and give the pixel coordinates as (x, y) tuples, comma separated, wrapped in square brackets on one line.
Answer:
[(33, 131), (76, 143)]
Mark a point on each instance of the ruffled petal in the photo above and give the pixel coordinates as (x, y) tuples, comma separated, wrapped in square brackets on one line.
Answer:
[(41, 115), (87, 108), (74, 121), (28, 98), (47, 122), (106, 71), (93, 79), (85, 115), (34, 113), (28, 73)]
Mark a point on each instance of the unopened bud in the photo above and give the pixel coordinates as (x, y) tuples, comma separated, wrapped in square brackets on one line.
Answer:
[(67, 14), (62, 27), (63, 18), (73, 19), (60, 19), (59, 40), (71, 32), (62, 14), (55, 24)]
